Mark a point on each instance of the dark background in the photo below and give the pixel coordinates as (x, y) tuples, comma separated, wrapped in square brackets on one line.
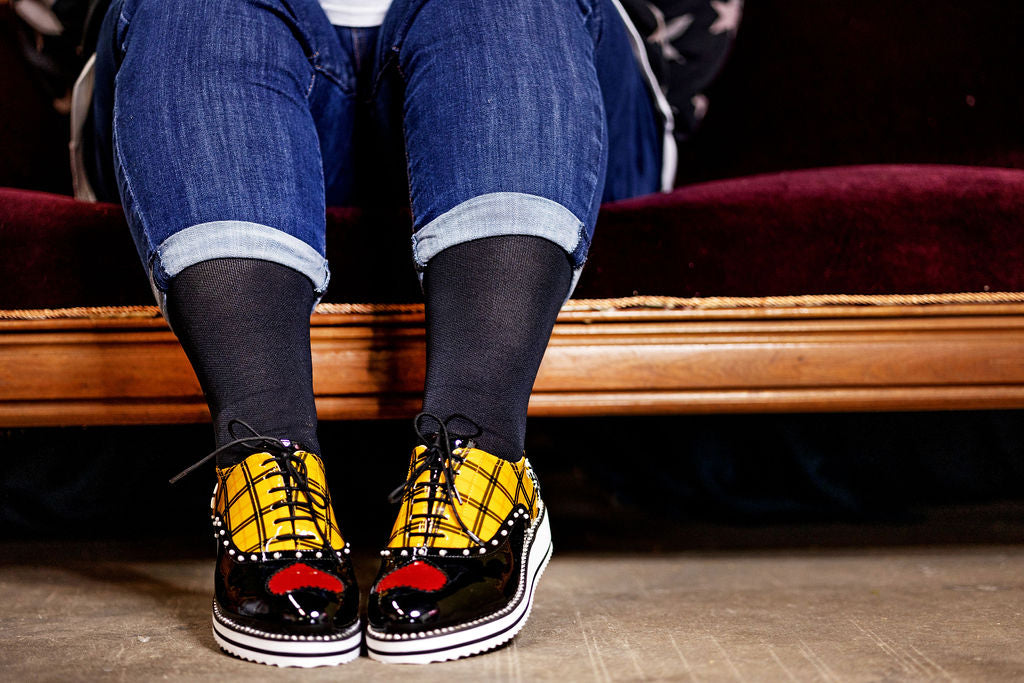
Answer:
[(613, 484), (809, 84)]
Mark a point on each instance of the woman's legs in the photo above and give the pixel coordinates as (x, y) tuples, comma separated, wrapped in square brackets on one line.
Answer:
[(507, 130), (218, 111), (508, 136), (216, 115), (513, 114)]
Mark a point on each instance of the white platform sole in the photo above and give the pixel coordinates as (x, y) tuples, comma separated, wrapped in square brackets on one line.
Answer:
[(284, 652), (444, 645)]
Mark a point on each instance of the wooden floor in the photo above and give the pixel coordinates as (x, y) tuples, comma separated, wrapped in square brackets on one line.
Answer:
[(74, 613)]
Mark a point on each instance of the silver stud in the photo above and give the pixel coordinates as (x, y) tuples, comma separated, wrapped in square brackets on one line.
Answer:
[(347, 550), (466, 551), (504, 532), (252, 557), (442, 552), (404, 553), (222, 532), (241, 558), (510, 522), (298, 554), (231, 552), (277, 556), (319, 554), (225, 543), (494, 542), (483, 550)]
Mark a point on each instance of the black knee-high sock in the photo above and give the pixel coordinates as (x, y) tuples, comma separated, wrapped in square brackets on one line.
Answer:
[(491, 304), (244, 325)]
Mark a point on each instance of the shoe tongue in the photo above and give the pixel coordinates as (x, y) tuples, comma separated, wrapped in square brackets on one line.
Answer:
[(295, 450), (242, 452)]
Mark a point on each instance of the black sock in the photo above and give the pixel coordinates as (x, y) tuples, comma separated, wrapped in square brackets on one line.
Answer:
[(491, 304), (244, 325)]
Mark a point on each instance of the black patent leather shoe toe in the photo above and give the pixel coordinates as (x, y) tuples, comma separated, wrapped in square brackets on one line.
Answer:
[(433, 592), (284, 590), (467, 550)]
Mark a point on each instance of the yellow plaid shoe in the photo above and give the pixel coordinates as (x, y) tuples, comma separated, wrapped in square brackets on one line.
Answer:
[(466, 552), (285, 592)]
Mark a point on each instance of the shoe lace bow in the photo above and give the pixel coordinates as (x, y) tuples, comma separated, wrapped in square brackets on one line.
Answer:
[(300, 496)]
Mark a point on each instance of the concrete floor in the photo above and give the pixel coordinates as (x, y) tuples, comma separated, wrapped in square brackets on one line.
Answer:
[(906, 614)]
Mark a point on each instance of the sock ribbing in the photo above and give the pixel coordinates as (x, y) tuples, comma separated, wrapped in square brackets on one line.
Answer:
[(491, 305), (244, 325)]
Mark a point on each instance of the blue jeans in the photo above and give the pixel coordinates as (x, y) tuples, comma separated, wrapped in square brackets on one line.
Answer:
[(226, 126)]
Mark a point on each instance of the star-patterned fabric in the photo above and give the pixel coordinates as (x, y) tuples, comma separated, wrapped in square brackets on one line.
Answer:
[(687, 42)]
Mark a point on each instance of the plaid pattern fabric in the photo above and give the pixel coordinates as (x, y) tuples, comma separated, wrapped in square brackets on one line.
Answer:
[(490, 489), (252, 509)]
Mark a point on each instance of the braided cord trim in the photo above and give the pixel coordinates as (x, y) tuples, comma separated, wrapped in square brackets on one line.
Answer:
[(579, 305)]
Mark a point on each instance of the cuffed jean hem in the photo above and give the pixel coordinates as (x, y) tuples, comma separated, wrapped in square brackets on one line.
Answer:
[(502, 213), (234, 239)]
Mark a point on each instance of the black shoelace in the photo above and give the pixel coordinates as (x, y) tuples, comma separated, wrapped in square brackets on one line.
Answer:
[(442, 463), (295, 481)]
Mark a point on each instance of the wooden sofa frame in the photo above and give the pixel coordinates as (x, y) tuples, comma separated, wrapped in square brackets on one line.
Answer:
[(639, 355)]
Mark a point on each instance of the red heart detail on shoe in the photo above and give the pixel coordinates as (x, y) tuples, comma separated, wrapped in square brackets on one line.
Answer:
[(418, 575), (298, 576)]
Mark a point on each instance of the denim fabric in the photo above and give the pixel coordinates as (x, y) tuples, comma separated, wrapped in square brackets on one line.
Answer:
[(226, 126)]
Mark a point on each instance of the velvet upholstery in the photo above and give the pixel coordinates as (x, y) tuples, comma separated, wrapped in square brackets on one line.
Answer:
[(855, 230)]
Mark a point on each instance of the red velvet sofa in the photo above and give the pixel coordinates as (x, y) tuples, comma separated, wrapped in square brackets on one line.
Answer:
[(846, 236)]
